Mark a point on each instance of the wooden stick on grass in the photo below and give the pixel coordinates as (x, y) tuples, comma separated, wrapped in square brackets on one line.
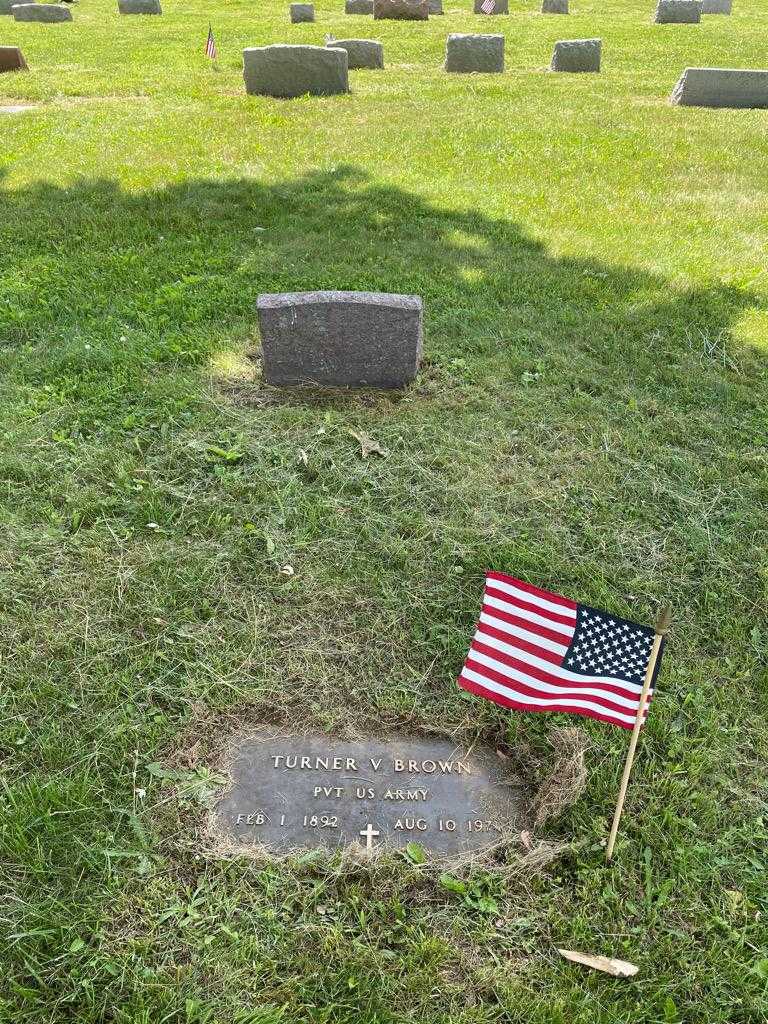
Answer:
[(662, 627)]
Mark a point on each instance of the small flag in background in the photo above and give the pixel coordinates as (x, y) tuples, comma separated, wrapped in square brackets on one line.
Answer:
[(210, 46), (488, 6), (536, 651)]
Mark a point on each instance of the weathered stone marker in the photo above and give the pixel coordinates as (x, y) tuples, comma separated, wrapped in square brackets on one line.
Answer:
[(296, 792), (499, 7), (358, 7), (554, 7), (401, 10), (361, 53), (5, 6), (577, 55), (678, 12), (341, 339), (287, 71), (12, 59), (435, 6), (721, 87), (49, 14), (139, 7), (302, 12), (716, 7), (474, 53)]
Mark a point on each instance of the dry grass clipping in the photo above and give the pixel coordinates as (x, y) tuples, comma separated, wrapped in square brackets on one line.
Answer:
[(565, 783)]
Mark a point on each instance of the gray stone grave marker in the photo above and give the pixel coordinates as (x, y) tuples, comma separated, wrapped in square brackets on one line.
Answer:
[(722, 87), (361, 53), (358, 7), (716, 7), (302, 12), (292, 792), (341, 339), (139, 7), (678, 12), (474, 53), (401, 10), (286, 71), (49, 14), (577, 55), (554, 7)]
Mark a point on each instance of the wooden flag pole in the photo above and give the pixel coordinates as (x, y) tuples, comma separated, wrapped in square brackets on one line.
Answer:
[(662, 627)]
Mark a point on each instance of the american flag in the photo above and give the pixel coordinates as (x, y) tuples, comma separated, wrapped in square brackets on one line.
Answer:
[(488, 6), (210, 46), (536, 651)]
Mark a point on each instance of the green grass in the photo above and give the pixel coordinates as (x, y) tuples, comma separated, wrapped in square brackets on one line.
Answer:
[(591, 415)]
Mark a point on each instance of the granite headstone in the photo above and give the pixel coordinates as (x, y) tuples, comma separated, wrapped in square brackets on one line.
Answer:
[(736, 88), (341, 339), (467, 53), (286, 71)]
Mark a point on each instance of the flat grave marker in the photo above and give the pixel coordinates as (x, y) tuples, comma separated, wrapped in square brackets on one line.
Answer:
[(292, 791)]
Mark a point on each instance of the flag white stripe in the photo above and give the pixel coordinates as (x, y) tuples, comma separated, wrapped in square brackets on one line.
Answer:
[(547, 666), (523, 595), (553, 688), (521, 698), (523, 613), (523, 634)]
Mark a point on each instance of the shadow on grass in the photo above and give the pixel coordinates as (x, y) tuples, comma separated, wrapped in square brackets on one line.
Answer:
[(97, 278)]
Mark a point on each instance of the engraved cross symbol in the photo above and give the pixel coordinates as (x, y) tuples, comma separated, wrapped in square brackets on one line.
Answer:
[(369, 832)]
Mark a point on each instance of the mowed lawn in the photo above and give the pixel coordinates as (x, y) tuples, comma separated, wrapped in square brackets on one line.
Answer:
[(591, 415)]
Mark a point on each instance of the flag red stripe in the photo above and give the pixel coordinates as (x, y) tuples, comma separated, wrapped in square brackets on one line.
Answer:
[(527, 606), (531, 627), (507, 702), (523, 645), (547, 698), (546, 595), (551, 677)]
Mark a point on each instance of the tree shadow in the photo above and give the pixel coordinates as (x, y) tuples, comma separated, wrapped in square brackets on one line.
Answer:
[(104, 280)]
